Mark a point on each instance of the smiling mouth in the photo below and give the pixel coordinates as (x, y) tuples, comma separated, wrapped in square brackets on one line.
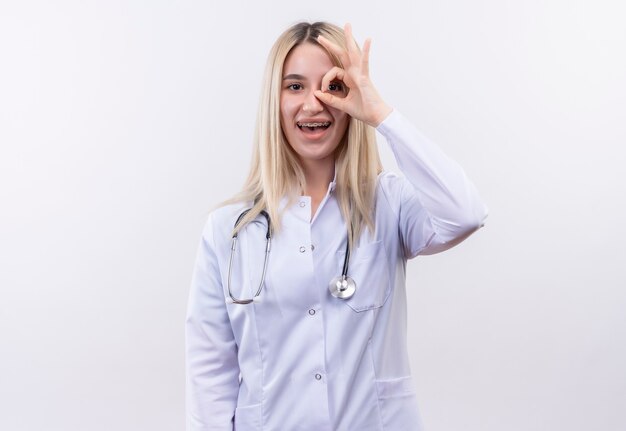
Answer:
[(313, 126)]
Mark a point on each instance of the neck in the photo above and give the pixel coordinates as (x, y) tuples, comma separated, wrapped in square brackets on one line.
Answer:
[(318, 175)]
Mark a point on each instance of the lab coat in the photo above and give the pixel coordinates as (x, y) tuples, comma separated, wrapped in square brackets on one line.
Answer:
[(301, 359)]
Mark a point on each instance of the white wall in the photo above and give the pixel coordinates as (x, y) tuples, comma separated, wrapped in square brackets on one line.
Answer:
[(123, 122)]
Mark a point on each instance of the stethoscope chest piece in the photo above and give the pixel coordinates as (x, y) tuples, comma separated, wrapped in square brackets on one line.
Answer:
[(342, 287)]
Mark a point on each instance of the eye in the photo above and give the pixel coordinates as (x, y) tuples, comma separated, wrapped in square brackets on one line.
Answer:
[(335, 86), (295, 87)]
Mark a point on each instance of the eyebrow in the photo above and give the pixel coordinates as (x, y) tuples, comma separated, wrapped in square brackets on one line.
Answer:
[(293, 76)]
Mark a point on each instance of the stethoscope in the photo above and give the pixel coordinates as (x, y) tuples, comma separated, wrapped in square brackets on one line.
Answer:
[(342, 287)]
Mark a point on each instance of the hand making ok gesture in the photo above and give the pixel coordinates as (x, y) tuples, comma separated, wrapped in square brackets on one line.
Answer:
[(362, 101)]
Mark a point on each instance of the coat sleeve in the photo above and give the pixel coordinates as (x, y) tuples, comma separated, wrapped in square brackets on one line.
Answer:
[(211, 352), (436, 204)]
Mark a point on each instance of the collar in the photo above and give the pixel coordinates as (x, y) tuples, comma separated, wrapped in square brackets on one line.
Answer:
[(333, 184)]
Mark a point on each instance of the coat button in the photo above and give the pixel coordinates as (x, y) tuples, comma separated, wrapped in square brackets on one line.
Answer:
[(302, 204), (312, 312), (312, 247), (302, 249), (318, 376)]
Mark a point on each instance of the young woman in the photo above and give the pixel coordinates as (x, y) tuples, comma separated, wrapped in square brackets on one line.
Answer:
[(300, 322)]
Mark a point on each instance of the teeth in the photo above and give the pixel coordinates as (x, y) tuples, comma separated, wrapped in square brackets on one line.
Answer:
[(314, 124)]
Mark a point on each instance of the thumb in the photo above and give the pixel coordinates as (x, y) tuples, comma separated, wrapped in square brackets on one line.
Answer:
[(330, 100)]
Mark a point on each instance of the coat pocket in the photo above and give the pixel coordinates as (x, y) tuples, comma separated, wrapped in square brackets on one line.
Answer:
[(248, 418), (369, 269)]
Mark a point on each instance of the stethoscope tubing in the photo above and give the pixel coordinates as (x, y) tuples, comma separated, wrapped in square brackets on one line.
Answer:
[(233, 246), (342, 287)]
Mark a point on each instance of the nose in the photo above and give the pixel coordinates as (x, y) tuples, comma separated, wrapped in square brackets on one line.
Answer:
[(311, 104)]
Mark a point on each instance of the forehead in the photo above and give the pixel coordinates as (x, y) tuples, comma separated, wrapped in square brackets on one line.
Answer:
[(307, 59)]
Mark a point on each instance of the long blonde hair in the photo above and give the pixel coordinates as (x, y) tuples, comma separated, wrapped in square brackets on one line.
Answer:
[(275, 171)]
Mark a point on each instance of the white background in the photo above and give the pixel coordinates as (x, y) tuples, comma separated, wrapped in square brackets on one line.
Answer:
[(122, 123)]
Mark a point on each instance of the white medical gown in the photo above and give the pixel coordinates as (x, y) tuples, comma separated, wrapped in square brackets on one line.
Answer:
[(301, 359)]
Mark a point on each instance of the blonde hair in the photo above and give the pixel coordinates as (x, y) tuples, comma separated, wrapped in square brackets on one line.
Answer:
[(275, 171)]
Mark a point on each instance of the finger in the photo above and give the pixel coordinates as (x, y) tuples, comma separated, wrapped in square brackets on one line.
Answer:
[(334, 49), (334, 74), (331, 100), (365, 59), (350, 42)]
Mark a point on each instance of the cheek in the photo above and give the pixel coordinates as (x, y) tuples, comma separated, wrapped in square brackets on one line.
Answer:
[(287, 108), (339, 116), (342, 121)]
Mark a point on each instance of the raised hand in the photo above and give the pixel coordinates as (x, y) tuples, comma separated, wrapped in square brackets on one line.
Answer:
[(362, 101)]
